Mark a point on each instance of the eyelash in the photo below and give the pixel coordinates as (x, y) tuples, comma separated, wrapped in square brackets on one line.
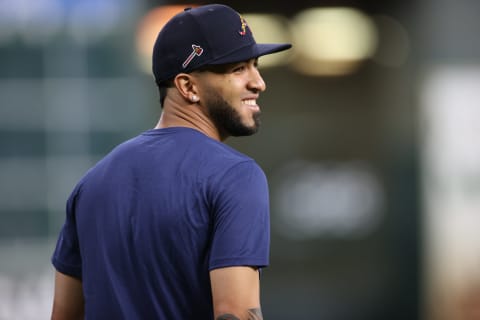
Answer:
[(243, 67), (239, 68)]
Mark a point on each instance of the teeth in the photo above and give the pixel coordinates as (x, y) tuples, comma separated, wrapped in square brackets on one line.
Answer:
[(250, 102)]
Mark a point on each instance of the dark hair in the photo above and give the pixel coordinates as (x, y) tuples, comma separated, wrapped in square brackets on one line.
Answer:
[(162, 90)]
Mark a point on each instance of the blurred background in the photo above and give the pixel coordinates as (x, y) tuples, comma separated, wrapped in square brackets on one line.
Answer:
[(369, 140)]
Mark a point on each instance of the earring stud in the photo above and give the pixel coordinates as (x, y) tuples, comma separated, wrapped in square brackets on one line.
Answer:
[(194, 98)]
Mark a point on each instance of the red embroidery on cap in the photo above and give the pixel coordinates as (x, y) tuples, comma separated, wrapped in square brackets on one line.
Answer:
[(197, 51), (244, 26)]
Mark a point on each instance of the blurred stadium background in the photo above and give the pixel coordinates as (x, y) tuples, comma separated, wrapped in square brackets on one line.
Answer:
[(369, 139)]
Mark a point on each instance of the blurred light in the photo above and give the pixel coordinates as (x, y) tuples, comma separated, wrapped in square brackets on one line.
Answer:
[(451, 186), (148, 29), (269, 28), (7, 22), (91, 20), (35, 21), (313, 200), (332, 41), (394, 42)]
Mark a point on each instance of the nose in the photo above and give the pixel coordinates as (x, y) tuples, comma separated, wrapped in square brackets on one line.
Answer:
[(256, 82)]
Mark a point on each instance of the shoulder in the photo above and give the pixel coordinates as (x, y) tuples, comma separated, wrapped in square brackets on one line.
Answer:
[(207, 151), (218, 163)]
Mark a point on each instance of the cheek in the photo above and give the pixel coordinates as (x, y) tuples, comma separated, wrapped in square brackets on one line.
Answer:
[(230, 89)]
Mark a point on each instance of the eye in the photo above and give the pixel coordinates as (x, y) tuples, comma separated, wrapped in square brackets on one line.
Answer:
[(238, 68)]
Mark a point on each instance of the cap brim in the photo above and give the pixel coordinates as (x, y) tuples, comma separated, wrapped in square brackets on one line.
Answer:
[(251, 52), (268, 48)]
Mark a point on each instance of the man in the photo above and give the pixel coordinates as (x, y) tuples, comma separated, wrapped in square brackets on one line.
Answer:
[(174, 224)]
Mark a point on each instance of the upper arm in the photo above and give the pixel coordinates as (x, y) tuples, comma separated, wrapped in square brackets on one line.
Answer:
[(236, 293), (240, 243), (241, 218), (68, 302)]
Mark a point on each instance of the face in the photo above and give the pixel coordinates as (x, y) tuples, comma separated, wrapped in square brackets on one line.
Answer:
[(229, 120), (229, 94)]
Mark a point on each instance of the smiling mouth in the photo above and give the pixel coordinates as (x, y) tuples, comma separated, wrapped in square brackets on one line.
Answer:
[(252, 104)]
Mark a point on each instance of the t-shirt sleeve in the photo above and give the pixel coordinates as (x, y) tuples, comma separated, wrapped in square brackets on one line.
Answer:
[(66, 257), (241, 218)]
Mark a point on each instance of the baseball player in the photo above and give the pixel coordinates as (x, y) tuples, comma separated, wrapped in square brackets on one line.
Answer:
[(174, 224)]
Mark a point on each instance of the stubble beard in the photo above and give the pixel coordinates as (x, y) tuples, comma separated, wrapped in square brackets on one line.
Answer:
[(228, 120)]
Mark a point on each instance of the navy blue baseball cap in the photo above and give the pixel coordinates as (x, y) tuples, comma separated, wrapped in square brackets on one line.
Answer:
[(207, 35)]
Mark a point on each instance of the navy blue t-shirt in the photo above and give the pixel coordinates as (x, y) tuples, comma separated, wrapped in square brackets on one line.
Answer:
[(146, 224)]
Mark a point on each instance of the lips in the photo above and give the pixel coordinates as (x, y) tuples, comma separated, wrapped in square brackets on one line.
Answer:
[(251, 104)]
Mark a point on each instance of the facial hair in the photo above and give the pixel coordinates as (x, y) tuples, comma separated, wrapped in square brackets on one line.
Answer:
[(228, 120)]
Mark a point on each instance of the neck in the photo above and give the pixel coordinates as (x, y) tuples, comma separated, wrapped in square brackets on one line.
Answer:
[(181, 113)]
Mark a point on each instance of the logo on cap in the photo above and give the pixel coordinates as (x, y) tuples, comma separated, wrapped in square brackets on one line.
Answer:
[(196, 51), (244, 26)]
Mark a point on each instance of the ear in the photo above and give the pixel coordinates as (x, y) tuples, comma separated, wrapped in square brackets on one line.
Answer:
[(185, 84)]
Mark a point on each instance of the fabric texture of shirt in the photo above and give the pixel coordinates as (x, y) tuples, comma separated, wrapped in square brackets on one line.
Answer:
[(148, 222)]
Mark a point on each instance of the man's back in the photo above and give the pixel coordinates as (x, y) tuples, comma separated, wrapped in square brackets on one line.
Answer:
[(154, 216)]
